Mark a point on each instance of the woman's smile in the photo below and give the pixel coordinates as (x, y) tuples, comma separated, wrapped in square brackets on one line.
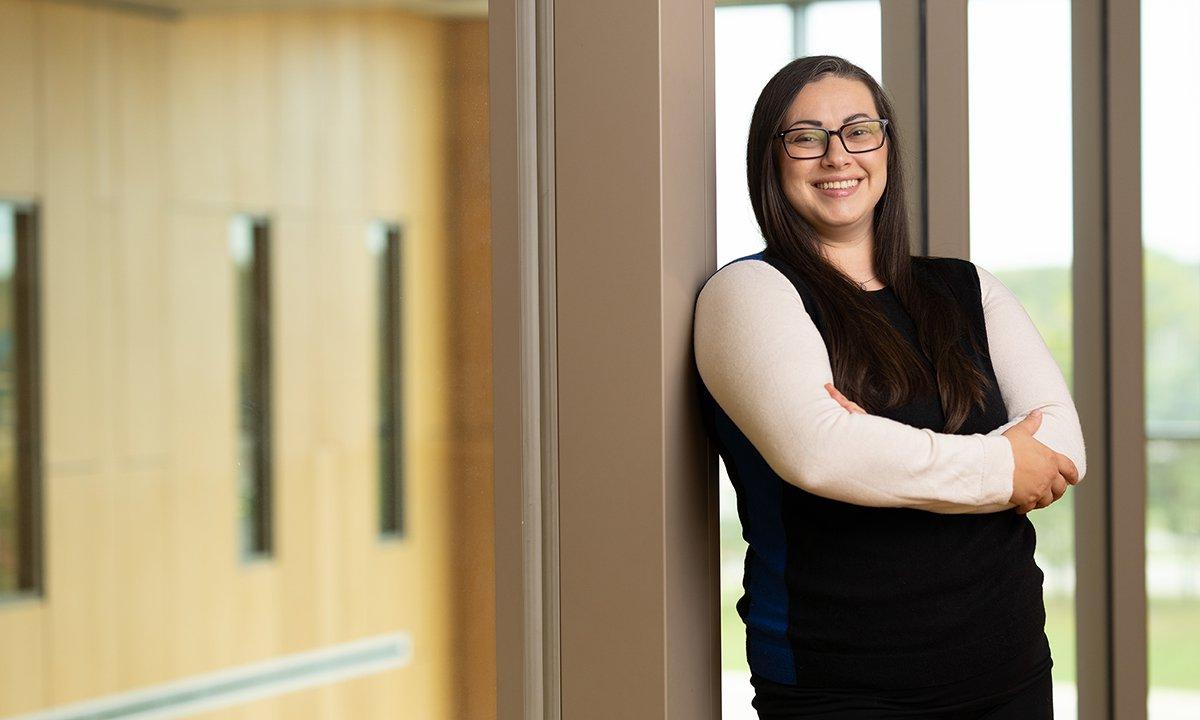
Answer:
[(838, 191)]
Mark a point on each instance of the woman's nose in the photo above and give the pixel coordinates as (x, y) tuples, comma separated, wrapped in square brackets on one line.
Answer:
[(835, 155)]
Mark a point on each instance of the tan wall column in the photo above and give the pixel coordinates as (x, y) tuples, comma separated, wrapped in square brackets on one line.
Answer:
[(635, 238)]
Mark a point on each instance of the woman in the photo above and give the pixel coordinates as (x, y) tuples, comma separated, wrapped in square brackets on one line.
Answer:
[(887, 421)]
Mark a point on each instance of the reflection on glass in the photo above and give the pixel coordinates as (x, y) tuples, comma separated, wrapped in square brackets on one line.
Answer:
[(1171, 266), (1021, 230), (752, 43)]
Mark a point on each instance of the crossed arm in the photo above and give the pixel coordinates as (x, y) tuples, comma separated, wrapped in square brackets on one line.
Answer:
[(764, 361)]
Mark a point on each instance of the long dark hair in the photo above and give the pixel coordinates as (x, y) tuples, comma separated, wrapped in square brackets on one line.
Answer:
[(873, 364)]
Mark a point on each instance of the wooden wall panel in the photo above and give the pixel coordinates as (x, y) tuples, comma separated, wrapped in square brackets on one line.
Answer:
[(299, 109), (142, 136), (19, 131), (23, 657), (339, 85), (80, 589), (384, 110), (140, 154), (139, 580), (200, 121), (204, 536), (73, 308), (475, 631), (254, 109), (298, 415)]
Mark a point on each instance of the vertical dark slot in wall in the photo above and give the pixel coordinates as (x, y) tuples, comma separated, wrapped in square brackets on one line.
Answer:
[(20, 408), (253, 308), (27, 357), (391, 374), (262, 377)]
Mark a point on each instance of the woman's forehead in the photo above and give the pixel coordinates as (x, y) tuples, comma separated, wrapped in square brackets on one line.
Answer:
[(830, 101)]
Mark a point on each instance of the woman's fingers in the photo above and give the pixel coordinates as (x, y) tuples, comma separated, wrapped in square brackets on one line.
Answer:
[(837, 395), (1059, 486), (843, 400), (1066, 468)]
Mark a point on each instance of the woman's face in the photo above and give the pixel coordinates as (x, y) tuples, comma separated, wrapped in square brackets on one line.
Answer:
[(830, 103)]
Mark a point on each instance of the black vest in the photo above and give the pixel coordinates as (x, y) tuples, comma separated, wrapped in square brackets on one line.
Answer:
[(846, 596)]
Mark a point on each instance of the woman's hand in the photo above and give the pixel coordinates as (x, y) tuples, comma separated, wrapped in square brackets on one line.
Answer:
[(1058, 488), (843, 400), (1041, 475)]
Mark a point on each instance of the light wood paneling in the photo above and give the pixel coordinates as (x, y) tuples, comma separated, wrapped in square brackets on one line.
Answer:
[(19, 131), (475, 632), (142, 136), (73, 308)]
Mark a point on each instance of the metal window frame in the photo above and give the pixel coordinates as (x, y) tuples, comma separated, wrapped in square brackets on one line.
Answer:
[(1108, 314), (524, 358), (1109, 317), (606, 506)]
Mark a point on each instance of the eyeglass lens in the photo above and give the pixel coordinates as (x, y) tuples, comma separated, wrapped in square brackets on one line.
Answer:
[(813, 142)]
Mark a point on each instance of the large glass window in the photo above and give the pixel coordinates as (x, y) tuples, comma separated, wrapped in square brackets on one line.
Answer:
[(1171, 266), (752, 43), (1021, 230)]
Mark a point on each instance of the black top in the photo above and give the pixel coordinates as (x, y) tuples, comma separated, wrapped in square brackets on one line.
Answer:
[(887, 600)]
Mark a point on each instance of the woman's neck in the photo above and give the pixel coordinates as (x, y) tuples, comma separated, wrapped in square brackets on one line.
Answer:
[(854, 257)]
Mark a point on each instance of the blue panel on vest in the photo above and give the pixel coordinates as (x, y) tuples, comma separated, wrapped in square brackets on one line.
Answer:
[(764, 607)]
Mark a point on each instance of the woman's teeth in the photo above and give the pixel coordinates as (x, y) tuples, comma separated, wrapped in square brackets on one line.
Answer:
[(843, 184)]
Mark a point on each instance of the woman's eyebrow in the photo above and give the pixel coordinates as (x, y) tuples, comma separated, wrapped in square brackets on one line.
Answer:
[(818, 122)]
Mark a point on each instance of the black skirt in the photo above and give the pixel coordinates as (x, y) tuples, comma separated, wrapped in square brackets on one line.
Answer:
[(1025, 694)]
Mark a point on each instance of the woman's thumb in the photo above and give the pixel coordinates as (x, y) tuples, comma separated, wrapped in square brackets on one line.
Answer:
[(1032, 421)]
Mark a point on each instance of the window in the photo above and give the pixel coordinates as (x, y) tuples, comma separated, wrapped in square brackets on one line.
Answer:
[(1171, 277), (250, 249), (753, 41), (20, 436), (385, 245), (1035, 264)]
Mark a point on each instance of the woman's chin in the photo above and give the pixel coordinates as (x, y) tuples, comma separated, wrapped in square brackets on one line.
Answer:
[(841, 220)]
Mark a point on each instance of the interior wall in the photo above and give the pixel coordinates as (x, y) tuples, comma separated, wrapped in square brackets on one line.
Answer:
[(470, 226), (140, 137)]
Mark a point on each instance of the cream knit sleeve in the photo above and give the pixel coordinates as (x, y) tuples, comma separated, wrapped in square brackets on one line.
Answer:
[(1027, 373), (765, 362)]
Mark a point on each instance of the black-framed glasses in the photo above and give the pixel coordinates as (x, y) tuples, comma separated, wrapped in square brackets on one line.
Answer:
[(860, 136)]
